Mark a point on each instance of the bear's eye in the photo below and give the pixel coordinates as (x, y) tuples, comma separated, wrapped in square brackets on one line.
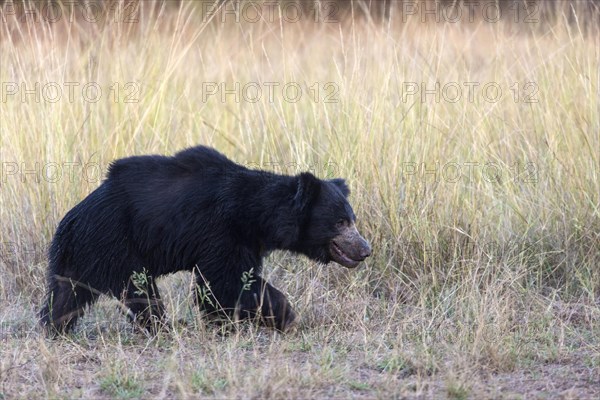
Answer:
[(340, 223)]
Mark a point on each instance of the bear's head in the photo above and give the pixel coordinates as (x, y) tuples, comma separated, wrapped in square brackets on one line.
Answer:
[(328, 232)]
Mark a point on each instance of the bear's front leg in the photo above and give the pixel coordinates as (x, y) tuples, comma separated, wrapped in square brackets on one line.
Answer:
[(275, 310), (256, 299)]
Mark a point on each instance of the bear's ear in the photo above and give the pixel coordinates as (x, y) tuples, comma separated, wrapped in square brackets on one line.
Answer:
[(341, 184), (307, 190)]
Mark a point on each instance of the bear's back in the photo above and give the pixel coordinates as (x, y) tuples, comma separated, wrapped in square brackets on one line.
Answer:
[(199, 159)]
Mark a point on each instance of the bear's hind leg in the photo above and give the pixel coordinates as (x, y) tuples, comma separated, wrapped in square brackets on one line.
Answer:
[(65, 303)]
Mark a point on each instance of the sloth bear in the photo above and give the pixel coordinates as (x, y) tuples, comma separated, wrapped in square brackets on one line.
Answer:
[(196, 211)]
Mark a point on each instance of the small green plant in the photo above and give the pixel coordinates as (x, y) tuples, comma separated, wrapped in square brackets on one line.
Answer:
[(395, 364), (140, 280), (362, 386), (247, 279), (120, 384), (204, 295), (204, 383), (457, 390)]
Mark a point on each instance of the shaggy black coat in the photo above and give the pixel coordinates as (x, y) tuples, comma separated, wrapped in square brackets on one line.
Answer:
[(196, 211)]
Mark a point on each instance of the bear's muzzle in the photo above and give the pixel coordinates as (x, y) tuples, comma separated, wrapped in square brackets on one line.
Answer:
[(349, 248)]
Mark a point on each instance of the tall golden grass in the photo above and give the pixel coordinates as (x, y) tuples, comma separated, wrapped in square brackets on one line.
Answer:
[(483, 212)]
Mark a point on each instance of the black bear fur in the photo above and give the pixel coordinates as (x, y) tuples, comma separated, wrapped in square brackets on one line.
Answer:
[(195, 211)]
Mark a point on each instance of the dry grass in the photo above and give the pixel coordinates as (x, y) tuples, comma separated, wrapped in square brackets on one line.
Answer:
[(484, 216)]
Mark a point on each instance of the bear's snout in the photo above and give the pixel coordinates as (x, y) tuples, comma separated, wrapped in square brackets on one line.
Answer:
[(365, 250), (349, 248)]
